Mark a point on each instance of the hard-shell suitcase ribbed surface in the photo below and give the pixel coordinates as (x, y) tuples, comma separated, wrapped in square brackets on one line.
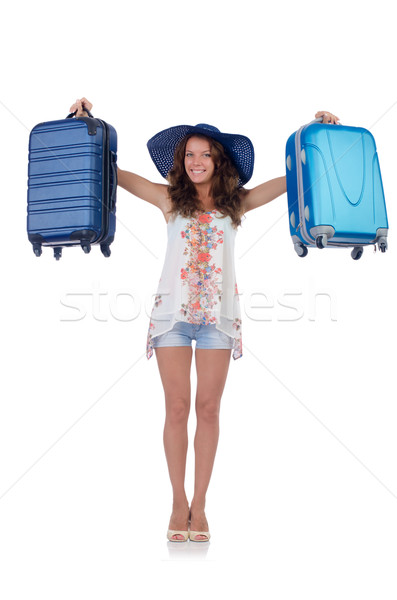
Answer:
[(334, 188), (72, 182)]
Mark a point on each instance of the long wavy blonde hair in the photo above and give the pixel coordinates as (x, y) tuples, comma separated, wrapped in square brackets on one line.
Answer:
[(224, 188)]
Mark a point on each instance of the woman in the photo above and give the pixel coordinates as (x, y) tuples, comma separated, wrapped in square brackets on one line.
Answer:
[(197, 297)]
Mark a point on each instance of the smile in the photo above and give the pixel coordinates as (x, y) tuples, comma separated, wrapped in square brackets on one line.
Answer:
[(197, 172)]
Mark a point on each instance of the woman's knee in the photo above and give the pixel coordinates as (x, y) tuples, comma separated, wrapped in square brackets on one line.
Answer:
[(177, 410), (208, 410)]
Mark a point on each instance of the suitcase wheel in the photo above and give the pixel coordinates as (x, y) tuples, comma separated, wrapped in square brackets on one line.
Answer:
[(301, 250), (357, 252), (57, 252), (105, 250), (86, 247), (37, 249), (382, 244), (321, 241)]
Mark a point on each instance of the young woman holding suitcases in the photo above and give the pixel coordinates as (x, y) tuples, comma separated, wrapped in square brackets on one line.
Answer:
[(197, 298)]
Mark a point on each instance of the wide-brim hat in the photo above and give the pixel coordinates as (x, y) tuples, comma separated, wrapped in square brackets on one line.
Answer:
[(162, 148)]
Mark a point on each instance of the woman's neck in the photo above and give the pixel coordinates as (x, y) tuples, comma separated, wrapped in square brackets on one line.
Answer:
[(204, 196)]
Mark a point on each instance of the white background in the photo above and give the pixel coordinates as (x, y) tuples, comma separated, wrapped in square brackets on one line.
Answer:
[(303, 497)]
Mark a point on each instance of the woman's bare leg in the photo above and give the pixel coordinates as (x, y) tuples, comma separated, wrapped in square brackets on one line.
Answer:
[(174, 365), (212, 368)]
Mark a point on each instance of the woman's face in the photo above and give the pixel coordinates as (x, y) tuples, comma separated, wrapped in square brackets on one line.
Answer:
[(199, 164)]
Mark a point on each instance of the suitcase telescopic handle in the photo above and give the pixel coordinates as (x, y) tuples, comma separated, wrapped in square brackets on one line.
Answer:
[(113, 161), (73, 113)]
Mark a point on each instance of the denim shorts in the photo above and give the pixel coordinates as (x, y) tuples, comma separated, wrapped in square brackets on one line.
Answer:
[(206, 336)]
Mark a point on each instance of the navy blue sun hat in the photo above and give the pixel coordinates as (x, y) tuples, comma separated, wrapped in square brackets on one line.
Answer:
[(162, 148)]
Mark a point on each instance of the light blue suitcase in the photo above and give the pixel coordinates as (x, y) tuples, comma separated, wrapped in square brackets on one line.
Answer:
[(334, 188)]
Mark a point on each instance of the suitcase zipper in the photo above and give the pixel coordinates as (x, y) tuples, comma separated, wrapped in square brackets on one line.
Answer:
[(301, 199), (105, 178)]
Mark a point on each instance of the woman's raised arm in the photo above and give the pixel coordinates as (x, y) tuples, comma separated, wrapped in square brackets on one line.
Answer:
[(155, 193), (263, 193)]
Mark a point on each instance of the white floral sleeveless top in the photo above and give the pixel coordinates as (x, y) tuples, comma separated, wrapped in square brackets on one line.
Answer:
[(198, 282)]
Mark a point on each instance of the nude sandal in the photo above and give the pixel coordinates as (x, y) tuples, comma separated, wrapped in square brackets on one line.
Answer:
[(193, 534), (172, 532)]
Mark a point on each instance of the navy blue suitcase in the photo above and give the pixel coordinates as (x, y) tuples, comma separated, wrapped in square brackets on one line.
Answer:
[(334, 188), (72, 183)]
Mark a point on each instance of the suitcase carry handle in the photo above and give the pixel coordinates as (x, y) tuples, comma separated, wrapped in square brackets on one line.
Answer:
[(73, 113), (113, 161), (320, 120)]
